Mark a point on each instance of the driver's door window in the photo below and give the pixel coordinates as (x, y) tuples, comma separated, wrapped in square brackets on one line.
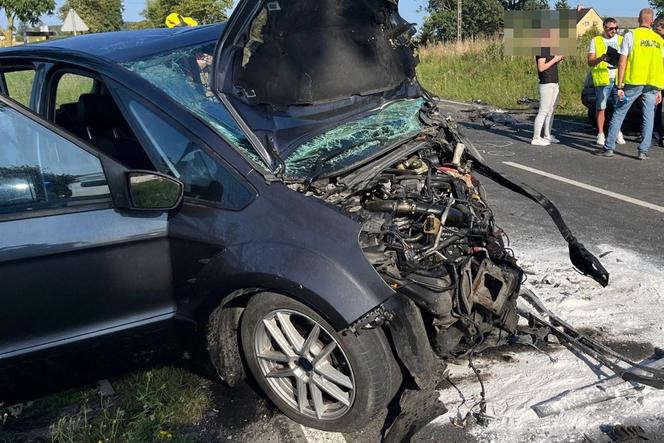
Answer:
[(39, 169)]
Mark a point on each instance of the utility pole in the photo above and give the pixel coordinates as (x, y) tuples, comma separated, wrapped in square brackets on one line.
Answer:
[(459, 20)]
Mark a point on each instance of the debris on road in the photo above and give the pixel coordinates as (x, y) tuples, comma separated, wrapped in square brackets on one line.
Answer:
[(498, 117), (531, 102), (516, 385)]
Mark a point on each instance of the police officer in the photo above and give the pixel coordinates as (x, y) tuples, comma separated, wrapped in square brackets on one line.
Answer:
[(604, 73), (640, 73)]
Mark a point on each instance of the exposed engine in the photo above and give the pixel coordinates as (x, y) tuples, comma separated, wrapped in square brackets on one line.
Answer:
[(428, 231)]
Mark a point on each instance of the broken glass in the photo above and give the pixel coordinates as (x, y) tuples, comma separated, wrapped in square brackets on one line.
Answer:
[(363, 137), (184, 75)]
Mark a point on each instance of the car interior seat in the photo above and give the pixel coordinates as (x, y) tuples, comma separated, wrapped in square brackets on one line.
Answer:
[(105, 128), (66, 117)]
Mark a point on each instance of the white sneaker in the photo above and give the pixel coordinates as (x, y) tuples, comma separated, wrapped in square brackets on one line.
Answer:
[(551, 139), (539, 141), (601, 139), (620, 139)]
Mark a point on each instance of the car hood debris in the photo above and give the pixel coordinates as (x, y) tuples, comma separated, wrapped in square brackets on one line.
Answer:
[(291, 70)]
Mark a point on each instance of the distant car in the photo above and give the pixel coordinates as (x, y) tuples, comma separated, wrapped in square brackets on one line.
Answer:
[(588, 100)]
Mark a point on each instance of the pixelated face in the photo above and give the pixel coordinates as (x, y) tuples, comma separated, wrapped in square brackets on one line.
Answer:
[(543, 33)]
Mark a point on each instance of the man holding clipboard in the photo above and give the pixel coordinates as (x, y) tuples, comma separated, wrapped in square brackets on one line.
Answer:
[(603, 58)]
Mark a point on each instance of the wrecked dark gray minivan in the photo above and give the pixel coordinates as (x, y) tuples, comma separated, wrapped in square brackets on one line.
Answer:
[(331, 236)]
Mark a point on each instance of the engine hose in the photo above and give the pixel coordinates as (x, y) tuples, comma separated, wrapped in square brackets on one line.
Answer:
[(414, 239), (455, 217)]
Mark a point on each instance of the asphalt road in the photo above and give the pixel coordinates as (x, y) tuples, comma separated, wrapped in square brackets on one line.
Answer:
[(599, 216)]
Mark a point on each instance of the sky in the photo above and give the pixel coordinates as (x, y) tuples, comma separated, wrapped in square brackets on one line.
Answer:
[(410, 9)]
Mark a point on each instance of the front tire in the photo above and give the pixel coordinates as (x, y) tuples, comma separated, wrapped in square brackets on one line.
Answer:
[(313, 374)]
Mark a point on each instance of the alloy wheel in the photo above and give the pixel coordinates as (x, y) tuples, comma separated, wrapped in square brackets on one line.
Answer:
[(304, 365)]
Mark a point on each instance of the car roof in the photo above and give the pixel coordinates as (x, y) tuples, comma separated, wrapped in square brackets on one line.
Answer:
[(124, 46)]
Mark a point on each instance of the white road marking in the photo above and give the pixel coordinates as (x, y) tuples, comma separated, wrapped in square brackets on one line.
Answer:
[(588, 187)]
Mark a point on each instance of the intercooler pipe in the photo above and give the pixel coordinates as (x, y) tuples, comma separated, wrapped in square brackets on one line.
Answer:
[(455, 217)]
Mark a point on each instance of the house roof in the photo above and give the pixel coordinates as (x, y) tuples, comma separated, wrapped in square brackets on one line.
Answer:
[(581, 12), (627, 22)]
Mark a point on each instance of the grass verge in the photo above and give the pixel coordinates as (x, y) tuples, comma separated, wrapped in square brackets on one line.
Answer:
[(478, 69), (157, 405)]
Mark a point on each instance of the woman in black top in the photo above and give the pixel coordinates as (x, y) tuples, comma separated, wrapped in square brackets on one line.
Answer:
[(547, 69)]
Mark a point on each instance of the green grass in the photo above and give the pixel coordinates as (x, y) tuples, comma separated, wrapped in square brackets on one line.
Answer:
[(19, 85), (70, 87), (156, 405), (479, 70)]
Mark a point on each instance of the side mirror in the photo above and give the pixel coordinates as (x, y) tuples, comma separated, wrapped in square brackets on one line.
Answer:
[(17, 189), (153, 191)]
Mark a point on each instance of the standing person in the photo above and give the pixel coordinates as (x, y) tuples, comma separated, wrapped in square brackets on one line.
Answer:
[(604, 74), (658, 26), (547, 69), (640, 73)]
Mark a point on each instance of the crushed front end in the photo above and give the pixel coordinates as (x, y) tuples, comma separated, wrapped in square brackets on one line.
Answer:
[(428, 230)]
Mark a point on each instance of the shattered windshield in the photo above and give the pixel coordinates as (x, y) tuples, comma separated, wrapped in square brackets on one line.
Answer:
[(356, 140), (185, 75)]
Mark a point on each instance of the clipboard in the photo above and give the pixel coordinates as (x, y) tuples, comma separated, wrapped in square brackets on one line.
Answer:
[(613, 56)]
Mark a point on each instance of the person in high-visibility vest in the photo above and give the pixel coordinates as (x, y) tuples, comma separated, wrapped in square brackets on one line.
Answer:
[(604, 74), (640, 73)]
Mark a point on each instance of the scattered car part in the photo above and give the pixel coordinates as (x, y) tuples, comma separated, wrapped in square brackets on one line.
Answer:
[(625, 433), (493, 118), (604, 390), (568, 336)]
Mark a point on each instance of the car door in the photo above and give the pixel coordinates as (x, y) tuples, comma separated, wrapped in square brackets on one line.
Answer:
[(73, 267)]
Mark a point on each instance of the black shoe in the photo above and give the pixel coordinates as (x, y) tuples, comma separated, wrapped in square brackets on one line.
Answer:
[(604, 153)]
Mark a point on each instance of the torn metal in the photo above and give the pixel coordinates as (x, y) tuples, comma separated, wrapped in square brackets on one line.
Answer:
[(650, 375)]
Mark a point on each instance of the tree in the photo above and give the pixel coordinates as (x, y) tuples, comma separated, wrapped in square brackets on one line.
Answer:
[(99, 15), (528, 5), (27, 11), (204, 11), (561, 4), (658, 6), (479, 17), (536, 5)]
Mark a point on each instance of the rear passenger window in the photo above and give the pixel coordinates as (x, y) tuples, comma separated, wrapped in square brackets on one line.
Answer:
[(84, 107), (39, 169), (19, 84), (71, 87)]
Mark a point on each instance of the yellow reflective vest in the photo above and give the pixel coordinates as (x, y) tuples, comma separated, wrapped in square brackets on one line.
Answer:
[(644, 63), (600, 72)]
